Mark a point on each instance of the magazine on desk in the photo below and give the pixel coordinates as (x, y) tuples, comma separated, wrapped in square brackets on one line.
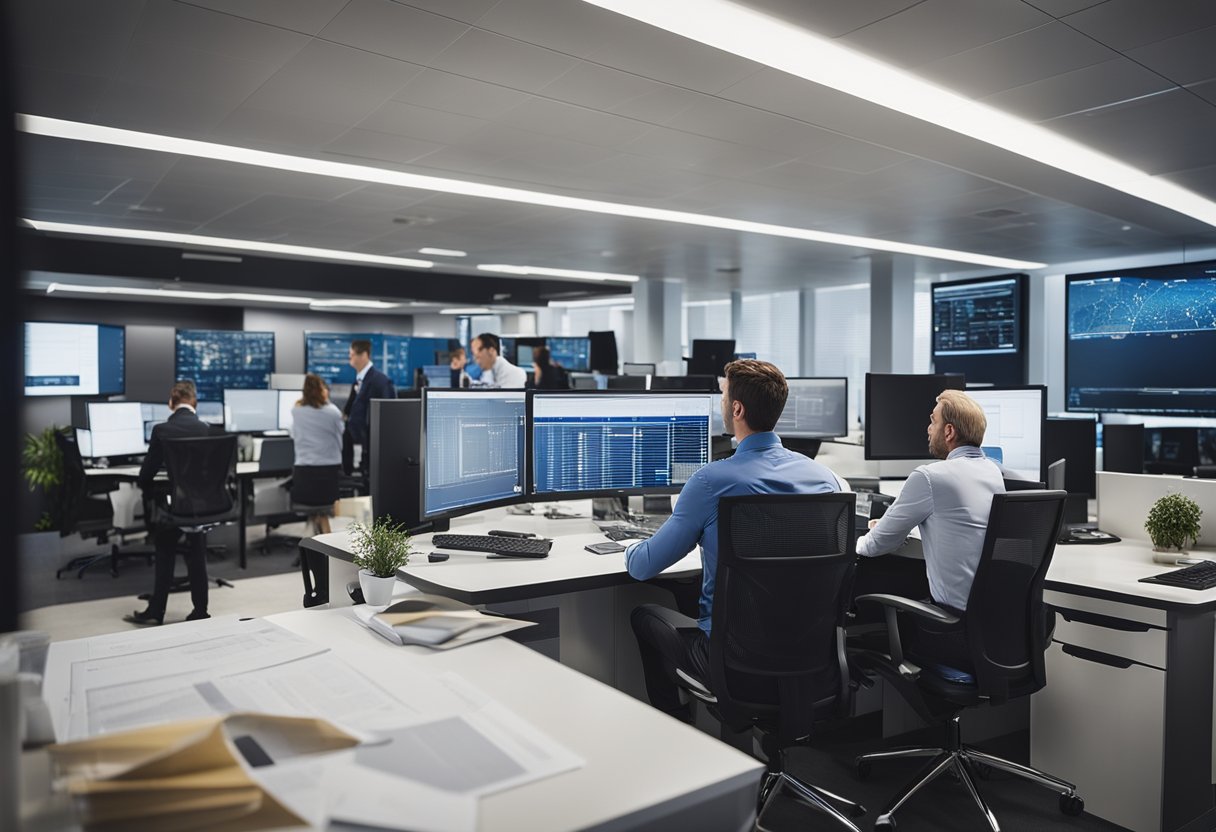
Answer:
[(436, 622)]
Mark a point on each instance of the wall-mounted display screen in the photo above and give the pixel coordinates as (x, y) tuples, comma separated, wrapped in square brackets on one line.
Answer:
[(220, 359), (1142, 341), (74, 359), (979, 329)]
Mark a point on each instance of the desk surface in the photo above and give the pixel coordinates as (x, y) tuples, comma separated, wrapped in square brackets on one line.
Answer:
[(641, 767), (130, 472), (1114, 570), (472, 578)]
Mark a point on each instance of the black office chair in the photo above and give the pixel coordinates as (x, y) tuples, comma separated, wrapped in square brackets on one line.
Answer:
[(203, 491), (1205, 472), (277, 459), (776, 651), (85, 509), (1006, 632)]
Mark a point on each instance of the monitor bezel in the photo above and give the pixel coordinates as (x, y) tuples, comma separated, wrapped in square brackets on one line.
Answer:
[(530, 492), (122, 389), (1042, 388), (868, 432), (802, 435), (522, 497), (1019, 357)]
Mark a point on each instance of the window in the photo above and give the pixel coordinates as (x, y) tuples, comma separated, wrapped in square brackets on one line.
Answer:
[(842, 338)]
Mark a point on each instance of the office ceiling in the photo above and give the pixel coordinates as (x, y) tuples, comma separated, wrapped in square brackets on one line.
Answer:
[(564, 97)]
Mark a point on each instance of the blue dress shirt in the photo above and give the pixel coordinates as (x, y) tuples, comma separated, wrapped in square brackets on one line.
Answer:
[(950, 500), (760, 465)]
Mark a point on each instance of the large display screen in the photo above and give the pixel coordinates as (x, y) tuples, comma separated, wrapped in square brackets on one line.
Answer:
[(220, 359), (398, 356), (473, 450), (979, 329), (1142, 341), (74, 359)]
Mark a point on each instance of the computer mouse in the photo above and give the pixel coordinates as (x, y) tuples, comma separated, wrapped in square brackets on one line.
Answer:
[(437, 557)]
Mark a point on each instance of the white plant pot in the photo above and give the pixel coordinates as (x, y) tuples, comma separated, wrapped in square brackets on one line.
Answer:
[(377, 592)]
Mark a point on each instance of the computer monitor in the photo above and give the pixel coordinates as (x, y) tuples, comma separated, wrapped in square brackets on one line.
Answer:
[(153, 414), (1207, 446), (1142, 340), (473, 450), (84, 442), (1171, 450), (980, 329), (897, 413), (816, 408), (616, 443), (251, 411), (573, 354), (437, 375), (740, 355), (211, 412), (74, 359), (287, 401), (1014, 436), (603, 352), (630, 368), (624, 382), (523, 355), (710, 356), (1075, 440), (588, 381), (117, 428), (1123, 448), (701, 383), (218, 359)]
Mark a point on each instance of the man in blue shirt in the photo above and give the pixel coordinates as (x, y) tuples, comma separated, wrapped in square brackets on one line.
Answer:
[(753, 396)]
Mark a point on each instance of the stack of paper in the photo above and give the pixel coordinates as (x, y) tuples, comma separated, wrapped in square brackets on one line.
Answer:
[(437, 622)]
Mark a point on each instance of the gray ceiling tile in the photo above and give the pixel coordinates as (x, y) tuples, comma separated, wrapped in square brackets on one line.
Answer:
[(662, 56), (368, 145), (679, 148), (1017, 60), (936, 29), (579, 124), (194, 28), (830, 19), (307, 16), (391, 29), (1063, 8), (47, 92), (459, 163), (1084, 89), (600, 87), (173, 66), (469, 11), (803, 177), (251, 127), (1184, 59), (436, 126), (660, 106), (167, 111), (572, 28), (68, 36), (1126, 24), (501, 60), (260, 213), (1206, 91), (1200, 180), (456, 94)]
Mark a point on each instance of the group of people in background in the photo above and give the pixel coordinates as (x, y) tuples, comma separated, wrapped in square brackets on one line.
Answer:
[(497, 372)]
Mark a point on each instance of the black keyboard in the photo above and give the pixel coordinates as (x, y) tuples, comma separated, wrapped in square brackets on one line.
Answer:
[(1195, 576), (517, 547)]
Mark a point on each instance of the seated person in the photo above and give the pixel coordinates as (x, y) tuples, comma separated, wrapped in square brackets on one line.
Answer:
[(496, 371), (458, 359), (183, 422), (950, 500), (753, 396), (545, 374)]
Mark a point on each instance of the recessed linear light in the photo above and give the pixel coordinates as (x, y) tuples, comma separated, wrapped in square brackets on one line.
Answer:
[(443, 252), (78, 131), (573, 274), (245, 297), (783, 46), (471, 310), (621, 301), (254, 246)]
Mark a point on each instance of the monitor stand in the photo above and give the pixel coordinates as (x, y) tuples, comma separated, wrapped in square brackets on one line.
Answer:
[(610, 508), (807, 447)]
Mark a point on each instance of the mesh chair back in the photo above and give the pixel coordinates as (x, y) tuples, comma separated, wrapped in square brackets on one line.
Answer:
[(785, 568), (202, 479), (1005, 616), (73, 491)]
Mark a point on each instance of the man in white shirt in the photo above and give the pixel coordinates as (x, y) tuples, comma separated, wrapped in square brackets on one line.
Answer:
[(496, 371), (950, 500)]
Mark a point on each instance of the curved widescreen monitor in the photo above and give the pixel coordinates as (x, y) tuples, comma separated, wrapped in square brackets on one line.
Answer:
[(1142, 341), (74, 359), (1014, 435), (473, 450), (817, 408), (897, 413), (980, 328), (617, 443)]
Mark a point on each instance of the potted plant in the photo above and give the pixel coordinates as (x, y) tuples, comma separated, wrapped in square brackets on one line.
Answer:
[(42, 464), (379, 551), (1173, 523)]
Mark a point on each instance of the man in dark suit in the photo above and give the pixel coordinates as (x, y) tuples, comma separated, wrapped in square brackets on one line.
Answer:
[(183, 422), (370, 384)]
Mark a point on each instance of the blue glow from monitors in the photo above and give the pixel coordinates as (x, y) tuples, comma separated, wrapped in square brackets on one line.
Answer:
[(219, 359), (571, 353), (473, 450)]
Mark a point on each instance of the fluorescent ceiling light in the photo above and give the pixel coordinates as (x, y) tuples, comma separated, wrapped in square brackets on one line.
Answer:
[(191, 294), (622, 301), (223, 242), (574, 274), (78, 131), (775, 43), (443, 252), (472, 310)]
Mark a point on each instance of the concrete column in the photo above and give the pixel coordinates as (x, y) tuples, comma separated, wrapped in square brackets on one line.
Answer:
[(736, 316), (892, 299), (806, 330), (658, 305)]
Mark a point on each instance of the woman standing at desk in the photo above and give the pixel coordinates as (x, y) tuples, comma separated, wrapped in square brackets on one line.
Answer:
[(316, 428)]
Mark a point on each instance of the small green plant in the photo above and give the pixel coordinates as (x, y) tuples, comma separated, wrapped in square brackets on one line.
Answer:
[(42, 465), (1173, 522), (381, 548)]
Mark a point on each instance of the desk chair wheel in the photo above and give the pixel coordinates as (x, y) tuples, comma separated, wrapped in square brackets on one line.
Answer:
[(1071, 804), (884, 825)]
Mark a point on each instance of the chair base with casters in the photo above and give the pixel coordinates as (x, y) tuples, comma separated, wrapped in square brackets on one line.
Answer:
[(82, 563), (965, 761)]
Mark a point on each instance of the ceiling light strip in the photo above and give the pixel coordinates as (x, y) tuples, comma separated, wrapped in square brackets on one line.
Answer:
[(573, 274), (78, 131), (753, 35), (243, 297)]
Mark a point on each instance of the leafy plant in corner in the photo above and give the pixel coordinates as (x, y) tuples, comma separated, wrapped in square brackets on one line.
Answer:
[(1173, 522), (42, 465), (381, 548)]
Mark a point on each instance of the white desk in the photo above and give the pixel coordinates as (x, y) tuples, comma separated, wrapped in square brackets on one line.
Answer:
[(583, 600), (643, 771), (1127, 713)]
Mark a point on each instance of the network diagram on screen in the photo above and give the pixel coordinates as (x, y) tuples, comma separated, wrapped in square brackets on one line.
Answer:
[(975, 319)]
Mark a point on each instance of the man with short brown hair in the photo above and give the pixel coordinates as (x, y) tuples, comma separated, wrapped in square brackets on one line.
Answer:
[(753, 396)]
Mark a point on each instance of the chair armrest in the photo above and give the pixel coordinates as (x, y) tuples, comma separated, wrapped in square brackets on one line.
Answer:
[(892, 605)]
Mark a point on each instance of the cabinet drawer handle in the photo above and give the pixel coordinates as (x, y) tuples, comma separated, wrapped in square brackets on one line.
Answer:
[(1097, 657), (1106, 621)]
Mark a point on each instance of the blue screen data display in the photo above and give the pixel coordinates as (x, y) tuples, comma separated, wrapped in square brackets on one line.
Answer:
[(398, 356), (633, 443), (474, 449), (571, 353), (217, 359), (1143, 343), (976, 318)]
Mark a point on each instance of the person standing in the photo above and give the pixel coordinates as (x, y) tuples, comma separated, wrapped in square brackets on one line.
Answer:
[(316, 431), (369, 384)]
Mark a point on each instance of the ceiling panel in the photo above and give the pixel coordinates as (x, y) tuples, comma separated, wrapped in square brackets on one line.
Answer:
[(578, 124), (1094, 86), (269, 130), (502, 60), (394, 30), (49, 92), (369, 146), (191, 27), (1126, 24), (602, 88), (416, 122), (69, 36), (452, 93), (572, 28), (1184, 59), (305, 16), (469, 11), (830, 19)]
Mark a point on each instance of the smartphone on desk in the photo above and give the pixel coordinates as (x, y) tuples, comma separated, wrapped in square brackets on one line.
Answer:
[(608, 548)]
